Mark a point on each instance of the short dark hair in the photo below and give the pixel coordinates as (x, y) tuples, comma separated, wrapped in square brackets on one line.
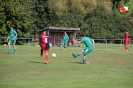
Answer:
[(42, 30), (11, 26), (82, 35)]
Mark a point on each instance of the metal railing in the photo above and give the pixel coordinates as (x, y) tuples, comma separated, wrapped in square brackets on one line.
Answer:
[(101, 41)]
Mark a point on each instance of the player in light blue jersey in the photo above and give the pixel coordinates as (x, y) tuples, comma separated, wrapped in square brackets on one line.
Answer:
[(12, 40), (89, 43), (65, 40)]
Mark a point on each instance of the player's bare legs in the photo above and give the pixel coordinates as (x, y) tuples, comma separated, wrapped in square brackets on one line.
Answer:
[(126, 47), (41, 52), (9, 48)]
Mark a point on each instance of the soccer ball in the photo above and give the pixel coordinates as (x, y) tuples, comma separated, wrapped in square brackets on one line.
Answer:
[(4, 44), (53, 55)]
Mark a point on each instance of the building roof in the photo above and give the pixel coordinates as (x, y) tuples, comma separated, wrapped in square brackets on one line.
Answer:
[(62, 28)]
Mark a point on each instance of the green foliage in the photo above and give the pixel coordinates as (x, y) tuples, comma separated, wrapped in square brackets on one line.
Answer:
[(96, 18), (16, 13)]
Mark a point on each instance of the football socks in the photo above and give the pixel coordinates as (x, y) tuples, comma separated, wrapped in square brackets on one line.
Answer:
[(78, 54), (9, 50), (14, 50), (84, 60)]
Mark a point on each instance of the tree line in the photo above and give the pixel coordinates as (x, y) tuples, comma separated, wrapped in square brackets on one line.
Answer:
[(96, 18)]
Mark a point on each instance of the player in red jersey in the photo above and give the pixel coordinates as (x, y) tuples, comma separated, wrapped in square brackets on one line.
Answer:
[(126, 41), (44, 44)]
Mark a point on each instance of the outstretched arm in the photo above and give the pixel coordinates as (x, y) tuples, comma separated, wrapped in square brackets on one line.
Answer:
[(15, 33), (93, 43), (15, 37), (77, 42), (8, 38)]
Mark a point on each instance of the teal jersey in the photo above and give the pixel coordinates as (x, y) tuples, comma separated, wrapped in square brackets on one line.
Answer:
[(66, 37), (87, 41), (12, 34)]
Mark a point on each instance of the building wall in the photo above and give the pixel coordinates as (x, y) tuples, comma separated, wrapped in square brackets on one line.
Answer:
[(56, 37)]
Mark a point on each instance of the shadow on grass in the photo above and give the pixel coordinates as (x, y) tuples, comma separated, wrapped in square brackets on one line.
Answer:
[(79, 62), (36, 62), (61, 49), (76, 62)]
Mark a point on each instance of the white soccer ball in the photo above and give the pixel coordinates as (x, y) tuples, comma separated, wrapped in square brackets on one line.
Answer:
[(4, 44), (53, 55)]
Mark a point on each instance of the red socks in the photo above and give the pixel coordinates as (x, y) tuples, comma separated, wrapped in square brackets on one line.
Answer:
[(126, 48), (46, 57)]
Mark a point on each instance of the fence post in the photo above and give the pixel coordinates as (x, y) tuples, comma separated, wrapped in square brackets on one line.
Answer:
[(29, 42), (106, 42), (121, 43)]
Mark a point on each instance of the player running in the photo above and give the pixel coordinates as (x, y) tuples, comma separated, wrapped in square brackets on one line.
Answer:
[(89, 42), (12, 40), (65, 40), (44, 44), (126, 41)]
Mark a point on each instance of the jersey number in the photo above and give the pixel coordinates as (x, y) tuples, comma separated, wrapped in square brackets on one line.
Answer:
[(46, 40)]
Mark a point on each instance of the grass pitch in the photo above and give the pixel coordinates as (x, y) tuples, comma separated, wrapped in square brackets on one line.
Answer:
[(107, 67)]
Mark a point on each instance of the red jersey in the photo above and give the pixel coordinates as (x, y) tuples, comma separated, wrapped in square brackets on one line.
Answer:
[(126, 38), (44, 41)]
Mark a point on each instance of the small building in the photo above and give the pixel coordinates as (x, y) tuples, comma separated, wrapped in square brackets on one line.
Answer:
[(56, 35)]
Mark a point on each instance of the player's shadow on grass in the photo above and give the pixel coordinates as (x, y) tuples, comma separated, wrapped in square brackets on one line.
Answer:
[(36, 62), (76, 62), (61, 49)]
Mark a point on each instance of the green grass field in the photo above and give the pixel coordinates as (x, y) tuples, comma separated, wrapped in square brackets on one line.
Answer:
[(107, 67)]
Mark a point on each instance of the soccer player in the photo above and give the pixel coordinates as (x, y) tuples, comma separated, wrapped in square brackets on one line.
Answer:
[(126, 41), (12, 40), (89, 43), (44, 44), (65, 40)]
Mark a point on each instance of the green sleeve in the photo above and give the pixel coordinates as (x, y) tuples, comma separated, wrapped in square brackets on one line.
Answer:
[(82, 40), (15, 32)]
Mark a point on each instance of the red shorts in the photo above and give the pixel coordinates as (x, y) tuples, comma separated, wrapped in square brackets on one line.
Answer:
[(46, 50), (126, 42)]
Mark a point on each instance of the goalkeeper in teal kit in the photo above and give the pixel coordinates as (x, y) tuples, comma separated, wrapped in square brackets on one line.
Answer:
[(12, 40), (65, 40), (89, 43)]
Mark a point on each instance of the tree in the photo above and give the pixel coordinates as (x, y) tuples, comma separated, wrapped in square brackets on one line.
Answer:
[(18, 14)]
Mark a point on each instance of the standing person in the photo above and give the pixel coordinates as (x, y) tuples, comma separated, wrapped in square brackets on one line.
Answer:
[(44, 44), (89, 43), (126, 41), (65, 40), (12, 39)]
